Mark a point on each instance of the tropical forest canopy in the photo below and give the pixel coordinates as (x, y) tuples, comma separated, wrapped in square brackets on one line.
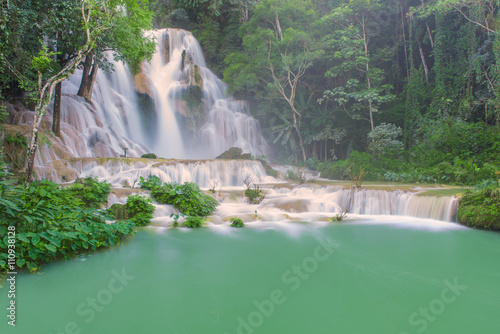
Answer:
[(402, 90)]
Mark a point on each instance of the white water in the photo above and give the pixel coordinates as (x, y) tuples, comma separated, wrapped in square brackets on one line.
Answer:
[(115, 118)]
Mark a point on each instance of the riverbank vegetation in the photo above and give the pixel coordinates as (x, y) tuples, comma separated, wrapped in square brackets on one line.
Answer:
[(56, 223), (480, 209)]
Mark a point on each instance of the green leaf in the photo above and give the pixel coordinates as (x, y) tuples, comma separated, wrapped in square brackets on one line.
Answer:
[(20, 263), (31, 266), (35, 239), (22, 238), (33, 254), (51, 248)]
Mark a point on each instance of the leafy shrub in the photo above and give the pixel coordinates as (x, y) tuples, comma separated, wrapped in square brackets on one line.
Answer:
[(255, 196), (480, 209), (92, 192), (194, 221), (236, 222), (312, 163), (383, 139), (187, 198), (148, 156), (52, 223), (150, 183), (140, 210)]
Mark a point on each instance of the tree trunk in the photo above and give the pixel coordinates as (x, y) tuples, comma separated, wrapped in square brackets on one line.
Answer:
[(326, 149), (424, 63), (296, 125), (315, 149), (90, 69), (278, 28), (368, 80), (30, 158), (56, 119)]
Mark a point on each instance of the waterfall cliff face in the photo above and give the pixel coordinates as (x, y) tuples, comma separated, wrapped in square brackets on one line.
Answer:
[(175, 107)]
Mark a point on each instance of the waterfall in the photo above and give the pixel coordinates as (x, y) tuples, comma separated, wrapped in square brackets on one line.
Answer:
[(174, 107), (335, 199)]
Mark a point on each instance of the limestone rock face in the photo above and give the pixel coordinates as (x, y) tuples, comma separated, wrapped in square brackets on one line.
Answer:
[(143, 84)]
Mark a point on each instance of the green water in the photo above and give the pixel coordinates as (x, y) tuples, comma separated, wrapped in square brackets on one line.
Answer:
[(349, 278)]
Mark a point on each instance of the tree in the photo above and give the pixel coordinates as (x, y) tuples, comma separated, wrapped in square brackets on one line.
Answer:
[(95, 20), (279, 47), (350, 40), (126, 39)]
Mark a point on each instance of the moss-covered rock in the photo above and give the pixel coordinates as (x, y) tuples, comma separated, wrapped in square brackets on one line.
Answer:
[(246, 156), (480, 209), (118, 211), (231, 153), (269, 170)]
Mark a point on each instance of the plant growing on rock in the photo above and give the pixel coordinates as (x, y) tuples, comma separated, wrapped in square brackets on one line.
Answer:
[(194, 221), (92, 192), (236, 222), (140, 210), (187, 198), (340, 216), (150, 183)]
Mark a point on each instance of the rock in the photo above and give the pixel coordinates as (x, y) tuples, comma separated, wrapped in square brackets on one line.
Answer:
[(143, 85), (118, 211), (165, 51), (232, 153), (246, 156), (64, 171)]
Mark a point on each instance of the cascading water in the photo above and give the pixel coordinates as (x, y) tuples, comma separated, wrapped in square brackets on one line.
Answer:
[(196, 118), (177, 108)]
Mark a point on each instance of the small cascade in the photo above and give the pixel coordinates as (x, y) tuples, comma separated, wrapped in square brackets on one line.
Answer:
[(225, 173), (336, 199)]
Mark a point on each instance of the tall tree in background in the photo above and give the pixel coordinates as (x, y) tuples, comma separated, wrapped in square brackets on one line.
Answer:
[(279, 48), (363, 91)]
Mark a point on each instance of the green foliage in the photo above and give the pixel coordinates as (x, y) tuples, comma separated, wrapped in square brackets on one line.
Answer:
[(18, 140), (150, 183), (340, 216), (480, 209), (236, 222), (149, 156), (194, 221), (187, 198), (176, 219), (92, 192), (140, 210), (52, 224), (255, 196), (383, 139)]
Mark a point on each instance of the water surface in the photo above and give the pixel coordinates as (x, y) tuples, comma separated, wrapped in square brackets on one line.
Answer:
[(340, 278)]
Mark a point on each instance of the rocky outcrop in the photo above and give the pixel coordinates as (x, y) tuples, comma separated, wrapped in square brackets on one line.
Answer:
[(143, 84)]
